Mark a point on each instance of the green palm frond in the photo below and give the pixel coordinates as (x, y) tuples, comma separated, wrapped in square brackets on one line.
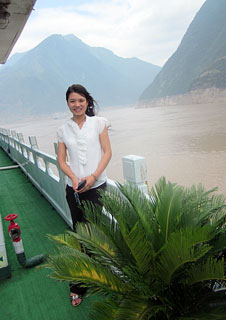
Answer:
[(108, 225), (211, 269), (141, 248), (144, 208), (218, 211), (196, 198), (66, 239), (137, 307), (120, 209), (219, 243), (136, 235), (125, 209), (98, 244), (95, 239), (182, 247), (77, 267), (104, 310), (205, 206), (158, 189), (168, 212), (107, 255)]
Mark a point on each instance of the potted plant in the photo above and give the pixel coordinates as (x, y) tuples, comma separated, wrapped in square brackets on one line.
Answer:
[(158, 257)]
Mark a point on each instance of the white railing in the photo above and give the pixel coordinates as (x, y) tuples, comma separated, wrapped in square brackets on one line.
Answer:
[(43, 170)]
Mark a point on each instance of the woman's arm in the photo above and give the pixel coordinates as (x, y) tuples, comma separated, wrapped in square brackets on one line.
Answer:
[(106, 157), (106, 147), (61, 158)]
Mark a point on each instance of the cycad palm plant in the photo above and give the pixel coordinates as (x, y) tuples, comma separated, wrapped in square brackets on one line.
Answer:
[(157, 257)]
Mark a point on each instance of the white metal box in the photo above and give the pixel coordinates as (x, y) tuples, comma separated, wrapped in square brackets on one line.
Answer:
[(135, 170)]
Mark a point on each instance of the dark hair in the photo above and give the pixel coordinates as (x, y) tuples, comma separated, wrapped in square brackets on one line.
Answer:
[(77, 88)]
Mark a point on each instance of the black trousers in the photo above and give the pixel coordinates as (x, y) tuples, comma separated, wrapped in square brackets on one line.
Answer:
[(78, 215)]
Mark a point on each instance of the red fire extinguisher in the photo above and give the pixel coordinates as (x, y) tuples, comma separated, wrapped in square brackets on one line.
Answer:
[(14, 233)]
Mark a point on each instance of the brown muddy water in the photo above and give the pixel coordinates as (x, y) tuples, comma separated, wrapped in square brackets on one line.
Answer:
[(186, 144)]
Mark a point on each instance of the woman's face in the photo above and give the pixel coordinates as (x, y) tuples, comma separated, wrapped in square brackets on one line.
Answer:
[(77, 104)]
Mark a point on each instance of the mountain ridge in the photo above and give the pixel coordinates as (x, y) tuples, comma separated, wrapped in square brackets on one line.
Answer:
[(36, 81), (201, 46)]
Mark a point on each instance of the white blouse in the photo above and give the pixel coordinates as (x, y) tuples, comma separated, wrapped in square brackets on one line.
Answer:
[(83, 147)]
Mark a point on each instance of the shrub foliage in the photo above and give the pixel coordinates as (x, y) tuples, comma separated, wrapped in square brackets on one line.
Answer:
[(158, 257)]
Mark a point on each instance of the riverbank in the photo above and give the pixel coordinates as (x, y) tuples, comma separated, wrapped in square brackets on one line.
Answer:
[(202, 96)]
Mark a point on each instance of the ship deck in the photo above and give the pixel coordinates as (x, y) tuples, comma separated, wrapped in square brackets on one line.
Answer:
[(30, 293)]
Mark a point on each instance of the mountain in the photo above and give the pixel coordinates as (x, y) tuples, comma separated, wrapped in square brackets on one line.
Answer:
[(214, 76), (200, 60), (35, 82)]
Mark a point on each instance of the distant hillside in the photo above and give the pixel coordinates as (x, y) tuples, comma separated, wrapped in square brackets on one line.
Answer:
[(214, 76), (35, 82), (199, 62)]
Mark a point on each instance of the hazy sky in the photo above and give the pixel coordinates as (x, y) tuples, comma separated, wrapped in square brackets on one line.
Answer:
[(147, 29)]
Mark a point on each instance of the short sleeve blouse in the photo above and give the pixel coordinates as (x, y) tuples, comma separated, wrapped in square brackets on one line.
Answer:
[(84, 148)]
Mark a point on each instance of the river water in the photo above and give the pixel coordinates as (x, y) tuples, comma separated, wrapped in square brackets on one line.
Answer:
[(186, 144)]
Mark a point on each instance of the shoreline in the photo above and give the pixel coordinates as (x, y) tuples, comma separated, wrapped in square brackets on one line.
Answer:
[(202, 96)]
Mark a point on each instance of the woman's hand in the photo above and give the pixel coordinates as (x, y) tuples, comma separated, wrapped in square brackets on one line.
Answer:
[(90, 180), (74, 183)]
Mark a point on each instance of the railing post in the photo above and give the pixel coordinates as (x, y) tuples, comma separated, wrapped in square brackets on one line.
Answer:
[(34, 145), (62, 185), (55, 148), (135, 171), (21, 140), (20, 137), (61, 174), (13, 133), (14, 136), (33, 142)]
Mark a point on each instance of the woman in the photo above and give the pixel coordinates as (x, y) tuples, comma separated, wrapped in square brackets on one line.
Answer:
[(85, 137)]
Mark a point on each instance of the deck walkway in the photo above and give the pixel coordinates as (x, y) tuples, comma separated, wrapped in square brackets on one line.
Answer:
[(29, 294)]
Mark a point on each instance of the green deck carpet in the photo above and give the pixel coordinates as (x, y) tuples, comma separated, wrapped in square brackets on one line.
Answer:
[(29, 294)]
